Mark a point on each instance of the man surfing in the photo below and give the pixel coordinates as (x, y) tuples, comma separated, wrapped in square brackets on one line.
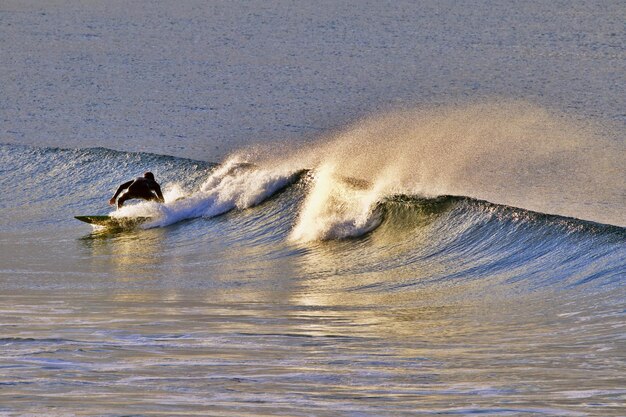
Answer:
[(141, 187)]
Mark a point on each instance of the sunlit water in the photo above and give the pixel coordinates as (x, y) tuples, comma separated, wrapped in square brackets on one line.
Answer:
[(450, 306), (326, 277)]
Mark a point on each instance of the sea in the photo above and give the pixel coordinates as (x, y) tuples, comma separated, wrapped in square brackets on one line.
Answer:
[(372, 208)]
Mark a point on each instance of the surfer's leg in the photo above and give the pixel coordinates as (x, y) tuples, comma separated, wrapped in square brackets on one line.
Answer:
[(123, 197)]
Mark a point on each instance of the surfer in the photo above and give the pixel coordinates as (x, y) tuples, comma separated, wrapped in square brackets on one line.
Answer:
[(141, 187)]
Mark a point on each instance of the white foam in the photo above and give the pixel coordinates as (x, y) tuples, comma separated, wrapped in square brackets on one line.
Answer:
[(235, 184), (337, 207)]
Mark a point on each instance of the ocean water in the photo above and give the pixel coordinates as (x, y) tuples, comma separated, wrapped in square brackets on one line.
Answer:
[(372, 209)]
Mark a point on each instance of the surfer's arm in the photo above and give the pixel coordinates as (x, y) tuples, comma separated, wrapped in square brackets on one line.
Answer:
[(157, 191), (119, 190)]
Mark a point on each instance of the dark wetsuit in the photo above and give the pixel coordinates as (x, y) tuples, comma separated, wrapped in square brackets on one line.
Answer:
[(141, 187)]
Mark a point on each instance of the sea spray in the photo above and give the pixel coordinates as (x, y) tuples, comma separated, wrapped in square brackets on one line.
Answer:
[(512, 153), (336, 208)]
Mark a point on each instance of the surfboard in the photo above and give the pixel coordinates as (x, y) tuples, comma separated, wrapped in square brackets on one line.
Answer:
[(113, 222)]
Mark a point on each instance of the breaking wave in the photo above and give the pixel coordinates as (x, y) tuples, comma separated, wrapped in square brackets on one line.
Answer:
[(491, 190)]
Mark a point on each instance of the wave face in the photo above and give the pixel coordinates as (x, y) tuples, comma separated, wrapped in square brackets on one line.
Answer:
[(258, 271)]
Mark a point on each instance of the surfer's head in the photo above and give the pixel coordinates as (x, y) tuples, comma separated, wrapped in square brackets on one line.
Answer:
[(149, 175)]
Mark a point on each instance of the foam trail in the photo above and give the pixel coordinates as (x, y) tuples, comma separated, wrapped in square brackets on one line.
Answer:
[(233, 185)]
